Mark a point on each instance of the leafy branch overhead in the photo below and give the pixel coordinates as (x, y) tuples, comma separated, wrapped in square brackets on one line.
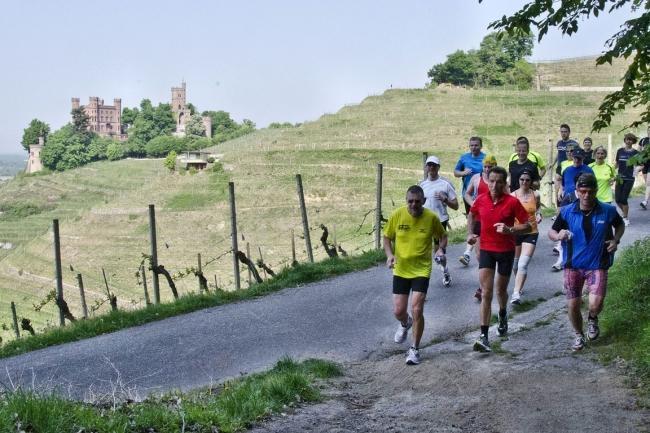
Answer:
[(631, 41)]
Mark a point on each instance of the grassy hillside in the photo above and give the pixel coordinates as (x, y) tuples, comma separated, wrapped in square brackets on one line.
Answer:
[(103, 206), (581, 72)]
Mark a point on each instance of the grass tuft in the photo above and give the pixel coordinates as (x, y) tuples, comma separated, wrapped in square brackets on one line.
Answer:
[(234, 406), (625, 320)]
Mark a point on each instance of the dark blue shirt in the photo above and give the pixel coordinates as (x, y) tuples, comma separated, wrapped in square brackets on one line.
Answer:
[(587, 249)]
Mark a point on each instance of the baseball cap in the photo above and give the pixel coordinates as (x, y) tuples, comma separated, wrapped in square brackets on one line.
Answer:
[(433, 159), (578, 153)]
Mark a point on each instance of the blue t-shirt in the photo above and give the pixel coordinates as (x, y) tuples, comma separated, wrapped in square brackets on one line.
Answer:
[(586, 249), (475, 163), (569, 176)]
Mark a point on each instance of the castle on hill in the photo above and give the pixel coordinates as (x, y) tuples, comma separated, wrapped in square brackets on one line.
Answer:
[(106, 121)]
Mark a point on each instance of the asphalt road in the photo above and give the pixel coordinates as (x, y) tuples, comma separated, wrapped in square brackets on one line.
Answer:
[(347, 318)]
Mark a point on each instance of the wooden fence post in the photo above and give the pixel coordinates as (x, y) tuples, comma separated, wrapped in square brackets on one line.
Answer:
[(262, 260), (378, 207), (305, 223), (425, 155), (233, 228), (198, 258), (610, 157), (15, 317), (154, 254), (293, 248), (551, 175), (82, 295), (112, 299), (144, 285), (248, 254), (57, 266)]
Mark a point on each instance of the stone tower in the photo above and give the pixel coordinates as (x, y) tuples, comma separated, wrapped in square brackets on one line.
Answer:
[(34, 162), (179, 108)]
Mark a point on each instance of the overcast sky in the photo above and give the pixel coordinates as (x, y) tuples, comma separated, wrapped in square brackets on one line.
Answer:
[(262, 60)]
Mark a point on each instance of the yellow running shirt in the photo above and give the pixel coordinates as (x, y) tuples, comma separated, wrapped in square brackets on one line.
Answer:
[(604, 173), (413, 241)]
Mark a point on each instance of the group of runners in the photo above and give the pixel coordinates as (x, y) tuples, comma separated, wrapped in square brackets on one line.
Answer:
[(503, 212)]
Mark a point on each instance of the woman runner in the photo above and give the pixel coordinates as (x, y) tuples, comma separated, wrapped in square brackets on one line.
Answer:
[(605, 175), (525, 243)]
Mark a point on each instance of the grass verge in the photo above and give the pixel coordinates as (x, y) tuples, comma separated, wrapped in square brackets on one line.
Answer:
[(232, 406), (289, 277), (625, 320)]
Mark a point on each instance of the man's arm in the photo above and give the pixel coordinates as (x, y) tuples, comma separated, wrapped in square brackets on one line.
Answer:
[(388, 249), (469, 193)]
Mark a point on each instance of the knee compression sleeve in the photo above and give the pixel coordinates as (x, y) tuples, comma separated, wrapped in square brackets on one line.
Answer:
[(522, 265)]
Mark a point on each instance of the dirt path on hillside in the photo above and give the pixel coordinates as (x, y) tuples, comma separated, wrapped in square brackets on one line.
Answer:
[(533, 384)]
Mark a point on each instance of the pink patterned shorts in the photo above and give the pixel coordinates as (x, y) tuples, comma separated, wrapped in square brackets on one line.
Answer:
[(575, 279)]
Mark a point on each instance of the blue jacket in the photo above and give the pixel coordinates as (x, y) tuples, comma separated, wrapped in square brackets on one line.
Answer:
[(586, 249)]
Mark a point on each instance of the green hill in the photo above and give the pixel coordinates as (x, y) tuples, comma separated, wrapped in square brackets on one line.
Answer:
[(103, 206)]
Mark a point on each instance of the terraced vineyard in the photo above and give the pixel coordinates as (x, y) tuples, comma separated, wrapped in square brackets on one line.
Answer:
[(103, 206)]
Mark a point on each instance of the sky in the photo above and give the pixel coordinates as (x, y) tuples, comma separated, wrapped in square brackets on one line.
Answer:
[(268, 61)]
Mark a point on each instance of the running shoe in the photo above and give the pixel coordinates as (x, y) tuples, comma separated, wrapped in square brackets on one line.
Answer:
[(400, 334), (412, 356), (482, 344), (478, 294), (626, 221), (464, 259), (502, 329), (593, 331), (644, 205), (446, 279), (557, 266), (516, 298), (578, 343)]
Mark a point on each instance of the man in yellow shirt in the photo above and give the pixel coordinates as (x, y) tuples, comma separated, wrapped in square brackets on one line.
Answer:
[(413, 229)]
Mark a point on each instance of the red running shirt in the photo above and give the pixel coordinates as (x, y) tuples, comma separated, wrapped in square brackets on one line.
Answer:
[(504, 211)]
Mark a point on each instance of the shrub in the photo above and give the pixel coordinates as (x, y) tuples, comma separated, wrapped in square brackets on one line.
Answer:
[(115, 151), (170, 161)]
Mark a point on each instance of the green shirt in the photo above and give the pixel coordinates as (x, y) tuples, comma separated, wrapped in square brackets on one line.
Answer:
[(413, 241), (604, 173), (533, 157)]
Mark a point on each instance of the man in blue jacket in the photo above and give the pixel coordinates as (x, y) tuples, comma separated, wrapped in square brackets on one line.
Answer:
[(590, 232)]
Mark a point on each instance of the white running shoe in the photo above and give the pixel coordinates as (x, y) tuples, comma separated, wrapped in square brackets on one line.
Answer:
[(446, 279), (464, 259), (626, 221), (578, 343), (557, 266), (516, 298), (402, 331), (412, 356)]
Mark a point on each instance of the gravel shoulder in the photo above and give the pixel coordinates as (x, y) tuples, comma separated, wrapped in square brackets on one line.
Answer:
[(534, 383)]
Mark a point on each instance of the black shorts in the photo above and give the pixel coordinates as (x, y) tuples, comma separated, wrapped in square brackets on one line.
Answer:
[(490, 259), (530, 238), (622, 191), (403, 286)]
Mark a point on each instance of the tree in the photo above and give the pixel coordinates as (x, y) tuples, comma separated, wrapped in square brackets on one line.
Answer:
[(459, 69), (128, 117), (195, 127), (491, 65), (65, 149), (115, 151), (36, 128), (631, 41), (170, 161)]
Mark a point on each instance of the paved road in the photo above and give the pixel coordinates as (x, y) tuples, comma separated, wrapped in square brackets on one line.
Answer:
[(346, 318)]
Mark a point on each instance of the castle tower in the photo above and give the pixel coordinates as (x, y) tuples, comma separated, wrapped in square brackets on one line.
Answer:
[(75, 103), (207, 122), (34, 162), (179, 108)]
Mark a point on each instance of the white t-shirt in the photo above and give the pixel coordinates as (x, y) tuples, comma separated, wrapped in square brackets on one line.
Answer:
[(430, 187)]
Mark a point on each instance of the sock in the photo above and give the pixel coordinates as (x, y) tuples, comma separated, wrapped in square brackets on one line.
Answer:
[(502, 312), (445, 269), (484, 330)]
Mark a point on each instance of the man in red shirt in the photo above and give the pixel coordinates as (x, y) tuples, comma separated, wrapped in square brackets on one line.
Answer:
[(496, 213)]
